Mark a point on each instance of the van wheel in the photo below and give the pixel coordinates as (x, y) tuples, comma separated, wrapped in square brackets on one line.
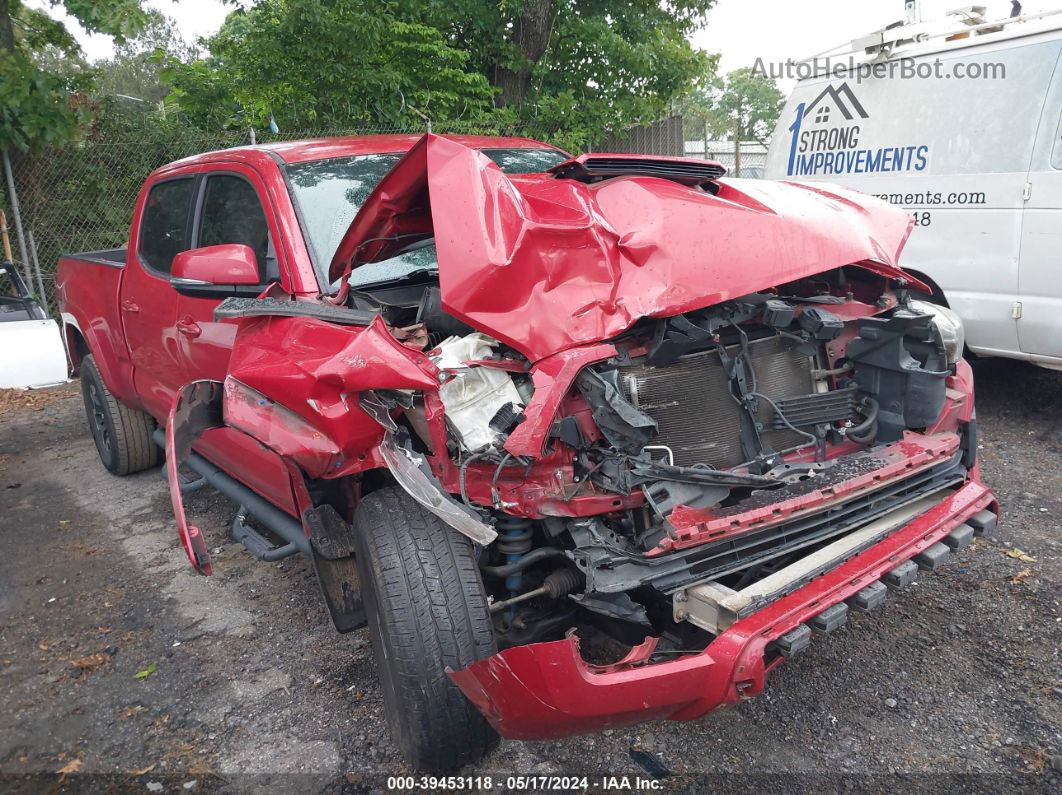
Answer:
[(427, 611), (122, 435)]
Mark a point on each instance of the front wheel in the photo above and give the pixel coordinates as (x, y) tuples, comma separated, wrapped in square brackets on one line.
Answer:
[(427, 611)]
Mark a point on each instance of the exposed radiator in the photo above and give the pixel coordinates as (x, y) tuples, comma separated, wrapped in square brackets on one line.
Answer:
[(690, 400)]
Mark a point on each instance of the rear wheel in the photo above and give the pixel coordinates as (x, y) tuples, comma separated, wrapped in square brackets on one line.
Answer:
[(122, 435), (427, 611)]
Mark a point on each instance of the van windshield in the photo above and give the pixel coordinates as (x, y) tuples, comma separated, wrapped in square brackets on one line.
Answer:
[(329, 193)]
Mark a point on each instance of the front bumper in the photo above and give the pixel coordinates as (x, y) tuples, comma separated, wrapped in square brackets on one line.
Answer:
[(546, 690)]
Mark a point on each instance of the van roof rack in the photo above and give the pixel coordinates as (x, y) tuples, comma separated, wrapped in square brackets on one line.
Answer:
[(961, 26)]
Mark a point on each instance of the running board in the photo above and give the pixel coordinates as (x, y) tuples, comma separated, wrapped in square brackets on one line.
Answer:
[(286, 528), (257, 544)]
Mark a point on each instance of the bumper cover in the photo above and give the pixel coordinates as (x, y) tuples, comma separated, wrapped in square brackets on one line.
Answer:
[(546, 690)]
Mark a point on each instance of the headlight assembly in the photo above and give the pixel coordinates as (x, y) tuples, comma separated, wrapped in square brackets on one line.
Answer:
[(949, 326)]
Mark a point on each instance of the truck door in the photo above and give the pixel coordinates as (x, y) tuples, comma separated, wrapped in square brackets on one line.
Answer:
[(1039, 307), (229, 209), (148, 303)]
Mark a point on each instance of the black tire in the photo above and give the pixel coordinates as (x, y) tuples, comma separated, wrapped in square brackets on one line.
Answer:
[(122, 435), (427, 611)]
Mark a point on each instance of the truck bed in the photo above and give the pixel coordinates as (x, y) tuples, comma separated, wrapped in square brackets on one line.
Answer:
[(88, 288), (113, 257)]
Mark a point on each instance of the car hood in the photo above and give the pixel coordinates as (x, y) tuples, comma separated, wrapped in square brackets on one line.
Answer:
[(545, 264)]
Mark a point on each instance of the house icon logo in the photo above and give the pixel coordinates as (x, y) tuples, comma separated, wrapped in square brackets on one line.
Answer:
[(834, 101), (834, 105)]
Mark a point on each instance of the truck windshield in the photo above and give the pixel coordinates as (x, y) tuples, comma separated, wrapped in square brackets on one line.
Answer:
[(329, 193)]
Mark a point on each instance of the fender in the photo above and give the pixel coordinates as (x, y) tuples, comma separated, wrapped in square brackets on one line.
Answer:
[(112, 362), (200, 406), (196, 408)]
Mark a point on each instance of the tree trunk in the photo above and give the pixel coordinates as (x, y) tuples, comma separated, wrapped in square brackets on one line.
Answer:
[(7, 32), (530, 39)]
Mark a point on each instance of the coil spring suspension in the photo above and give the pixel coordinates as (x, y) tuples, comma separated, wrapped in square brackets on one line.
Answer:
[(514, 541)]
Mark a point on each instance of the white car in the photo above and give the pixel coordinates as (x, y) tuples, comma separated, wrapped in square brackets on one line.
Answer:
[(960, 125)]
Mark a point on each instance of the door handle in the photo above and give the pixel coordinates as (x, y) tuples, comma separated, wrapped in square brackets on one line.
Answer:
[(189, 327), (130, 306)]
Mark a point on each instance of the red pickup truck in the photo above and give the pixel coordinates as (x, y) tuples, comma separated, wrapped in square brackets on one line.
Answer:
[(585, 441)]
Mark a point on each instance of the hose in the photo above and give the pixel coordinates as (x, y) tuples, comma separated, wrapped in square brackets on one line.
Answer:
[(463, 470), (532, 557), (867, 430)]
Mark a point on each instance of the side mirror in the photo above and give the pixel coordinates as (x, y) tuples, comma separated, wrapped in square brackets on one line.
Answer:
[(216, 272)]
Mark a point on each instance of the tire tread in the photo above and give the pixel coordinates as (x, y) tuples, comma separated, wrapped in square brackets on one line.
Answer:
[(431, 604), (134, 449)]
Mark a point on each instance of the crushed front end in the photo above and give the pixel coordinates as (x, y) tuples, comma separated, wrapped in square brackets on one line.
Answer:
[(687, 420), (709, 486)]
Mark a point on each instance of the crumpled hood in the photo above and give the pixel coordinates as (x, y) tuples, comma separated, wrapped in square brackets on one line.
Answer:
[(545, 264)]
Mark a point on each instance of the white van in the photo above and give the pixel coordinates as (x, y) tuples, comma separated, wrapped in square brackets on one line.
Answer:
[(963, 129)]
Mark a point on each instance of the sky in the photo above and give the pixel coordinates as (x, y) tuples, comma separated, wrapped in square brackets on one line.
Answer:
[(777, 30), (740, 30)]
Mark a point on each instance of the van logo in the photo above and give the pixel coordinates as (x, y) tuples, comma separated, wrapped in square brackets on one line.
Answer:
[(844, 99), (825, 137)]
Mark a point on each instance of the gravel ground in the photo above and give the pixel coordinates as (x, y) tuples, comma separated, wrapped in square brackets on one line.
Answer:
[(120, 667)]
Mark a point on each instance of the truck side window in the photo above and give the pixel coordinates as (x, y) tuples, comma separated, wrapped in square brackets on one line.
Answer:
[(232, 213), (164, 227)]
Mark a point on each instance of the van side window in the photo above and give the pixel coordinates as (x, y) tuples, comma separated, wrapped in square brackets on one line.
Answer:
[(232, 213), (164, 226)]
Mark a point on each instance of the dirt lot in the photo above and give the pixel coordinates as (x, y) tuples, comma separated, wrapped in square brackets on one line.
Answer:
[(121, 667)]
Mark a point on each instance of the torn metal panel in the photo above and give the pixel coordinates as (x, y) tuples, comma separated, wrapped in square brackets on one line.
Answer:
[(279, 428), (552, 378), (545, 264), (317, 370), (413, 474), (196, 408)]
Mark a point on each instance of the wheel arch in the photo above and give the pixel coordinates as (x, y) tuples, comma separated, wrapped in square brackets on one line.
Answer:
[(938, 294), (76, 346)]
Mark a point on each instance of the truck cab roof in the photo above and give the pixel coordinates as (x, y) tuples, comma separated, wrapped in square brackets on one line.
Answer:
[(310, 149)]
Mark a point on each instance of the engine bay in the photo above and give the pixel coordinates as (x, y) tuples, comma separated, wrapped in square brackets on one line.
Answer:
[(622, 474)]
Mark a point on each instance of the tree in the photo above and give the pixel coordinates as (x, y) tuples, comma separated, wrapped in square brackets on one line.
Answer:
[(328, 63), (41, 71), (741, 106), (750, 104), (584, 67), (134, 72)]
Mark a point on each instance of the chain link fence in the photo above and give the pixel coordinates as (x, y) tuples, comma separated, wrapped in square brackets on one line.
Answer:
[(752, 163), (80, 197)]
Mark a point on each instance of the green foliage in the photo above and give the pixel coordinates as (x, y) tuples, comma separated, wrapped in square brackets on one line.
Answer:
[(742, 102), (319, 62), (582, 67), (135, 71), (35, 106), (118, 18), (41, 73)]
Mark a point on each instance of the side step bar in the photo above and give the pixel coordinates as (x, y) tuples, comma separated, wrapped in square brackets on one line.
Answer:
[(250, 504)]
